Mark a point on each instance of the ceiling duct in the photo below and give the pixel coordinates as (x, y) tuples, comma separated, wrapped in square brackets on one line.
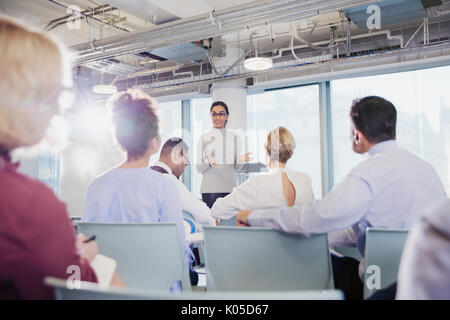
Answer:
[(254, 14), (391, 12), (160, 67), (112, 66), (181, 53)]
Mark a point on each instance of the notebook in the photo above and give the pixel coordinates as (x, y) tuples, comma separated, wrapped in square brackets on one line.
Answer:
[(104, 268)]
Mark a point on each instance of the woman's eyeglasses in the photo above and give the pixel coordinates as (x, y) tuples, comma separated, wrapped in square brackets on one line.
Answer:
[(220, 115)]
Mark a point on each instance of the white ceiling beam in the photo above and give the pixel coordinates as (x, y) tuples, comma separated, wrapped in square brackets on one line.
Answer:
[(224, 21), (182, 9)]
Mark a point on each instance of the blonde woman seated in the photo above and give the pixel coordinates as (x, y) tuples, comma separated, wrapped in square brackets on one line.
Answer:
[(280, 187)]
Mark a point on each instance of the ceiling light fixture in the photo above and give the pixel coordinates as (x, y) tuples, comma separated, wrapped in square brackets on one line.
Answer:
[(258, 63), (104, 89)]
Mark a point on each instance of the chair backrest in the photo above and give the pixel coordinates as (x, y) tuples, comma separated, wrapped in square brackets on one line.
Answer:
[(228, 222), (148, 255), (75, 221), (382, 253), (255, 259), (89, 291), (352, 252)]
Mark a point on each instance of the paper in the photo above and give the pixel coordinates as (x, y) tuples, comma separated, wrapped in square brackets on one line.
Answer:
[(104, 268)]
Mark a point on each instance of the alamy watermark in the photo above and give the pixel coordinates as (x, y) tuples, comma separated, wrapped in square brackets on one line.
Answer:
[(74, 279), (374, 19), (373, 279)]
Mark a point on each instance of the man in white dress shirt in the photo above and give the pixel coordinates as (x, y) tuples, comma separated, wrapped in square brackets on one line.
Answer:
[(388, 189), (172, 161), (424, 272)]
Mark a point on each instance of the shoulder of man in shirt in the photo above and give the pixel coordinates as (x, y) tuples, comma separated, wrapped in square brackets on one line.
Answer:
[(394, 158), (438, 215)]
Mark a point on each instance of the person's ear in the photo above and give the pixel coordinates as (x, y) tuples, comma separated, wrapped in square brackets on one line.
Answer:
[(357, 137), (155, 143), (180, 156)]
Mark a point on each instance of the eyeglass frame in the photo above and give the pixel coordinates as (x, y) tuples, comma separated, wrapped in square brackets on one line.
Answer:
[(220, 115)]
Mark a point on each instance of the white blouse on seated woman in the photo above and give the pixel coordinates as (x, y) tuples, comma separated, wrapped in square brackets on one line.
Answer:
[(280, 187), (264, 191)]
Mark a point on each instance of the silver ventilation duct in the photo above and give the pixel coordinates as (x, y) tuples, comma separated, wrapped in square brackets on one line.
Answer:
[(206, 26)]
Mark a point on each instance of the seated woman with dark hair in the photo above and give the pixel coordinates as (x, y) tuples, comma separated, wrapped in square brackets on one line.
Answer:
[(132, 192)]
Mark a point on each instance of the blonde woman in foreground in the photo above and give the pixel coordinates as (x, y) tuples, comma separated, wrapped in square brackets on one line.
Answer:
[(280, 187), (36, 236)]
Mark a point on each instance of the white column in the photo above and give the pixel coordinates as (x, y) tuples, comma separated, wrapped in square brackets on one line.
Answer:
[(232, 92)]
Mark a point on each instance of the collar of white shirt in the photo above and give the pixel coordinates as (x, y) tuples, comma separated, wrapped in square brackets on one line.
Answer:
[(381, 147), (164, 166), (276, 170)]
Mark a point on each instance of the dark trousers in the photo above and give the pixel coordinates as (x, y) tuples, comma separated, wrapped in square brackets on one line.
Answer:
[(387, 293), (210, 198), (192, 274), (346, 277)]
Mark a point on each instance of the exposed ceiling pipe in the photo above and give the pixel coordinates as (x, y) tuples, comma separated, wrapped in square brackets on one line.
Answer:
[(274, 35), (440, 13), (359, 36), (239, 59), (165, 66), (308, 60), (294, 34), (415, 33), (391, 37), (434, 52), (234, 19), (88, 13), (84, 14)]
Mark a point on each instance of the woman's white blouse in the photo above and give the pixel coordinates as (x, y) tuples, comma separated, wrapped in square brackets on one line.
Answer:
[(263, 191)]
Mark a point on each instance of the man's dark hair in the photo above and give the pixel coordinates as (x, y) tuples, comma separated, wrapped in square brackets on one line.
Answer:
[(172, 143), (375, 117)]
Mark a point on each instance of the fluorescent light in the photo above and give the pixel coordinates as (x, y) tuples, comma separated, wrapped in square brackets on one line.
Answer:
[(258, 63), (104, 89)]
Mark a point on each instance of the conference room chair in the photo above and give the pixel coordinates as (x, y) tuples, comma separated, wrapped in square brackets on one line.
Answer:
[(148, 255), (261, 259), (383, 252), (75, 221), (228, 222), (352, 252), (91, 291)]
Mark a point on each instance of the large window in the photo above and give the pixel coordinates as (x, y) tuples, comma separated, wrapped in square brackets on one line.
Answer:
[(422, 100), (200, 123), (421, 97), (92, 149), (170, 123), (296, 109)]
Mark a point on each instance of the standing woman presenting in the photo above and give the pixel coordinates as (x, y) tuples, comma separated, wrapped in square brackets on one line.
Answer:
[(220, 154)]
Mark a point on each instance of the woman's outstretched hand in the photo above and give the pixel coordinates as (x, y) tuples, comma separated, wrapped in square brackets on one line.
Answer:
[(245, 157), (211, 161)]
